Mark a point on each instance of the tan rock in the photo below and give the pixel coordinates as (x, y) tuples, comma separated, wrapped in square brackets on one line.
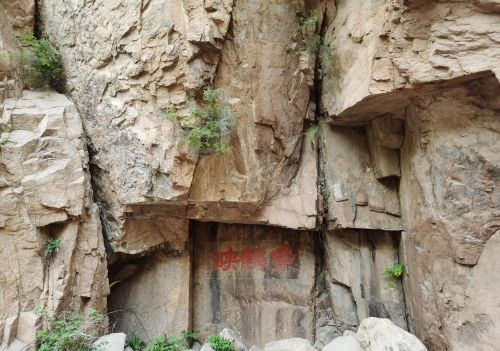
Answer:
[(354, 262), (449, 197), (132, 69), (257, 279), (385, 53), (46, 195), (156, 299), (355, 197)]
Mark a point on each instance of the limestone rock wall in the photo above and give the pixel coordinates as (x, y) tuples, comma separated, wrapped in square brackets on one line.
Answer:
[(405, 93), (45, 194), (258, 280), (450, 204), (16, 16), (352, 285), (128, 61), (384, 52)]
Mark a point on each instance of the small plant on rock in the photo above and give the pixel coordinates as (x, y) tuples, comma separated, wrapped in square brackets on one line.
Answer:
[(43, 67), (310, 41), (164, 343), (209, 127), (53, 246), (72, 332), (312, 131), (395, 271), (136, 343), (219, 343)]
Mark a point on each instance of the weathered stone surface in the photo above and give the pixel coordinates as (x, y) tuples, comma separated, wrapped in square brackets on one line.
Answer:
[(294, 344), (256, 179), (258, 280), (384, 53), (343, 343), (450, 204), (111, 342), (355, 197), (16, 16), (153, 298), (233, 336), (45, 193), (380, 334), (354, 287), (161, 54)]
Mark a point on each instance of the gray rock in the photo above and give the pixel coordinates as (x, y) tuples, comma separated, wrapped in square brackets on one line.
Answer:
[(380, 334), (111, 342), (294, 344), (232, 335), (343, 343)]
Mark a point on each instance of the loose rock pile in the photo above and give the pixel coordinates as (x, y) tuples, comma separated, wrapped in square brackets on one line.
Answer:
[(374, 334)]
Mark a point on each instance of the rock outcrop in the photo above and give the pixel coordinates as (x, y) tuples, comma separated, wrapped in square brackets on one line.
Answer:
[(161, 55), (450, 204), (289, 232), (378, 334), (45, 195)]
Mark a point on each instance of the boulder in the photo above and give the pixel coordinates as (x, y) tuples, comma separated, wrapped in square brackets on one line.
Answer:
[(343, 343), (380, 334), (206, 347), (230, 334), (111, 342), (294, 344)]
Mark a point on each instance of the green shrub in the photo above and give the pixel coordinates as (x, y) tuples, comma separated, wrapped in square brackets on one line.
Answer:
[(136, 343), (209, 127), (72, 332), (164, 343), (44, 67), (310, 40), (312, 131), (219, 343), (53, 246), (395, 271)]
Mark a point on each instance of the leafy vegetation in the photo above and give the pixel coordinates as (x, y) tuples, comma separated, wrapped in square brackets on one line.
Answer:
[(209, 127), (136, 343), (219, 343), (310, 41), (312, 131), (164, 343), (325, 192), (43, 67), (53, 246), (72, 332), (395, 271)]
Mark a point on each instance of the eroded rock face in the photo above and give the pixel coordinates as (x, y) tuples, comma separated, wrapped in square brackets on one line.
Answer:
[(151, 296), (161, 54), (257, 279), (354, 197), (450, 204), (45, 194), (353, 286), (16, 17), (383, 53)]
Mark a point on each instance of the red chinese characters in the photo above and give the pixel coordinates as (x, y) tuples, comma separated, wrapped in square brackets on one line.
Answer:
[(227, 260), (253, 257), (281, 259)]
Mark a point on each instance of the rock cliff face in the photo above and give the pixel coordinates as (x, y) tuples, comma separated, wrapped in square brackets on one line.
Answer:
[(368, 133), (45, 195)]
